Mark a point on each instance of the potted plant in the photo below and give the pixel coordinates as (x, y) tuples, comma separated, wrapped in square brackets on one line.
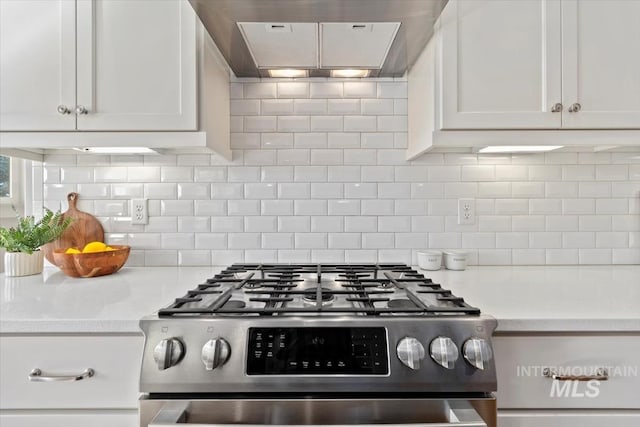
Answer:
[(23, 242)]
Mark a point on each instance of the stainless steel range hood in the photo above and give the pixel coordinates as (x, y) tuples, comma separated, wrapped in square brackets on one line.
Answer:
[(383, 36)]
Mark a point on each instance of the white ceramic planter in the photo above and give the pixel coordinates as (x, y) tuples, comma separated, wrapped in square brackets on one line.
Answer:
[(23, 264)]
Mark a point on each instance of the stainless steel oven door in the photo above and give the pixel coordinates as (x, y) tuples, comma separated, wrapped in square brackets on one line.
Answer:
[(318, 412)]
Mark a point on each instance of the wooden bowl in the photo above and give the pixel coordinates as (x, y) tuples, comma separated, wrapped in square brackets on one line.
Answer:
[(91, 264)]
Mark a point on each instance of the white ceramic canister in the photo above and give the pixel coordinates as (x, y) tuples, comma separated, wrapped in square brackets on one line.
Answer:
[(429, 260), (455, 259)]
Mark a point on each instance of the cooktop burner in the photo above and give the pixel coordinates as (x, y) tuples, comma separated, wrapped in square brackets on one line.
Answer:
[(318, 290)]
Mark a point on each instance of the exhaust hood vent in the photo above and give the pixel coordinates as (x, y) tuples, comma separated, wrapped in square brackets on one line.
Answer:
[(379, 38), (281, 45), (356, 45)]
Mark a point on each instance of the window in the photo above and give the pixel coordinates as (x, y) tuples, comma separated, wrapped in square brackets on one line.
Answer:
[(5, 177), (11, 182)]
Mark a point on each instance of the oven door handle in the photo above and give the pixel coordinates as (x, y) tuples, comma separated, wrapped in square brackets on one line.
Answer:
[(462, 414)]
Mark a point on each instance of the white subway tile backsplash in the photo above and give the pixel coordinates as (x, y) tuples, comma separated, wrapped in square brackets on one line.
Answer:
[(360, 89), (377, 140), (344, 207), (243, 207), (177, 207), (259, 90), (177, 241), (612, 172), (319, 174), (193, 224), (310, 140), (326, 90), (310, 106), (294, 124), (260, 191), (277, 207), (260, 123), (326, 190), (293, 90), (326, 124), (326, 157), (310, 207), (343, 140), (262, 224), (199, 191), (344, 106), (210, 207), (122, 191), (244, 240), (310, 240), (360, 190), (361, 224), (359, 124), (294, 224)]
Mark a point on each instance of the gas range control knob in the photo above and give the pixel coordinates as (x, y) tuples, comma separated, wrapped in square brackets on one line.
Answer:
[(215, 353), (477, 352), (168, 353), (410, 352), (444, 352)]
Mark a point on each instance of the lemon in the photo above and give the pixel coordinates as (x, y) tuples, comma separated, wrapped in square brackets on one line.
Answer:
[(72, 251), (109, 249), (94, 247)]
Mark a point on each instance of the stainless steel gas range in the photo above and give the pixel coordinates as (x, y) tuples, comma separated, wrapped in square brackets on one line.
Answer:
[(318, 344)]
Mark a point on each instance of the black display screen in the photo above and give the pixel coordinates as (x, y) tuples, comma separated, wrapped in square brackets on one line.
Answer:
[(317, 351)]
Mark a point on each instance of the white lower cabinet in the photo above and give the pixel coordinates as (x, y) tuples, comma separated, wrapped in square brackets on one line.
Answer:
[(568, 418), (597, 380), (69, 419), (109, 397)]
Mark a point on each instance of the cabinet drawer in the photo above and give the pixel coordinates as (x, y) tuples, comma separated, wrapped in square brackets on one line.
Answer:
[(70, 419), (114, 359), (521, 361), (568, 418)]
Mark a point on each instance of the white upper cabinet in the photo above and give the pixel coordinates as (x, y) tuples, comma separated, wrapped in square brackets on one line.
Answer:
[(98, 65), (601, 64), (500, 64), (37, 65), (136, 64), (540, 64)]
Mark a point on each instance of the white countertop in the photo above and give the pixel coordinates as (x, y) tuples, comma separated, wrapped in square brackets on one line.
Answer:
[(523, 299)]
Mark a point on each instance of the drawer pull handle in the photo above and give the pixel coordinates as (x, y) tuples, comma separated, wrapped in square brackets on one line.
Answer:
[(36, 376), (601, 374)]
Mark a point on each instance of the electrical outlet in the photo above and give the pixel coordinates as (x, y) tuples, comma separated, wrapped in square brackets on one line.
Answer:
[(139, 211), (466, 211)]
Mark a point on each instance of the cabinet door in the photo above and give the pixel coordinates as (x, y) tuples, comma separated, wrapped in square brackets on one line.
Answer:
[(601, 63), (37, 65), (136, 65), (93, 418), (500, 64)]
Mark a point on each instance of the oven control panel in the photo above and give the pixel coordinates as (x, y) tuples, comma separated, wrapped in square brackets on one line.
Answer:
[(317, 351)]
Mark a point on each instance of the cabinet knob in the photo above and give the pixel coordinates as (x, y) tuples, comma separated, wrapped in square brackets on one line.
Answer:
[(557, 107), (575, 107), (63, 109), (80, 109)]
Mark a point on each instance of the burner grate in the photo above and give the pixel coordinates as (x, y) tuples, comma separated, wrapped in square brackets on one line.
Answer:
[(271, 289)]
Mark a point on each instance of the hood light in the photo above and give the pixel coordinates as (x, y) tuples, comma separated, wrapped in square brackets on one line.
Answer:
[(518, 148), (116, 150), (288, 73), (349, 73)]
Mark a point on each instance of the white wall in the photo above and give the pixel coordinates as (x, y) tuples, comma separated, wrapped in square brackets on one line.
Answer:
[(319, 176)]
